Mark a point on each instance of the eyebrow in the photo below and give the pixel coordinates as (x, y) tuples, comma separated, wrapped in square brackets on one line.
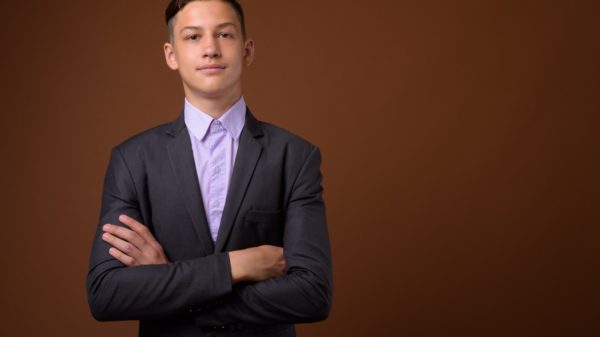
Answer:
[(221, 25)]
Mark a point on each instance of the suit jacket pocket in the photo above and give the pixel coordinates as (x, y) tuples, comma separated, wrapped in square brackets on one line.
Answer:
[(263, 228)]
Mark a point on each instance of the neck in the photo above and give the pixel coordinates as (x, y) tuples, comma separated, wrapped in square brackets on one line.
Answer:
[(214, 106)]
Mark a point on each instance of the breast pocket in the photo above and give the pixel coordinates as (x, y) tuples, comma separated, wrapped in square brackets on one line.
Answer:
[(263, 228)]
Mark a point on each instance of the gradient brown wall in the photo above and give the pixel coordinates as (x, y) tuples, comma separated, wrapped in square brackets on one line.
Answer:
[(460, 143)]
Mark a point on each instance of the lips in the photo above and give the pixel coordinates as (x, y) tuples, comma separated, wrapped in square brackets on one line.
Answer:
[(211, 68)]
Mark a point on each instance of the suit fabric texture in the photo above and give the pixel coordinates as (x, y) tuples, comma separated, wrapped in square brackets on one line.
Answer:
[(274, 197)]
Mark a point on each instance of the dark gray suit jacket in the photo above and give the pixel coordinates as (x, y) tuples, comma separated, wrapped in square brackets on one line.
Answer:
[(275, 197)]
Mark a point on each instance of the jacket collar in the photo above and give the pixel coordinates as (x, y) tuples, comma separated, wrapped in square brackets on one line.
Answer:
[(252, 125)]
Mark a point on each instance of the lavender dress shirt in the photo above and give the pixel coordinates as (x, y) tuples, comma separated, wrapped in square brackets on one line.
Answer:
[(214, 144)]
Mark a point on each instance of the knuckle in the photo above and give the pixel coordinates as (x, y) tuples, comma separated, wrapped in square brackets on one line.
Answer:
[(155, 256), (126, 234), (118, 233)]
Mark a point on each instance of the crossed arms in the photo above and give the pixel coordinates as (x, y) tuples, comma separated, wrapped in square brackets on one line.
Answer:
[(131, 278), (135, 245)]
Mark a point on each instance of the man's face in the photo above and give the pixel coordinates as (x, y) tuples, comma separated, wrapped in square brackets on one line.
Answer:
[(209, 50)]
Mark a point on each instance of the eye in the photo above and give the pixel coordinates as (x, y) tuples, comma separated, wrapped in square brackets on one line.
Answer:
[(193, 37), (225, 35)]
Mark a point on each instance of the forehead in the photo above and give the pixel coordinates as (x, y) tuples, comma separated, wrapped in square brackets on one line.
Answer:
[(206, 14)]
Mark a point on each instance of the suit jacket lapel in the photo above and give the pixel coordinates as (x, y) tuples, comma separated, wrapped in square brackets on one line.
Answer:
[(249, 151), (182, 162)]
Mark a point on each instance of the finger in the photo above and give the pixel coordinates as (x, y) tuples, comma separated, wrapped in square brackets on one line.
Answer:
[(139, 228), (282, 266), (125, 234), (130, 222), (122, 257), (122, 245)]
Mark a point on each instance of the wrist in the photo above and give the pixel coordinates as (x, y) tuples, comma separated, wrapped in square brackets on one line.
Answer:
[(238, 270)]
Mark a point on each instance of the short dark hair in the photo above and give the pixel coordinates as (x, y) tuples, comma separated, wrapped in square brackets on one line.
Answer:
[(176, 5)]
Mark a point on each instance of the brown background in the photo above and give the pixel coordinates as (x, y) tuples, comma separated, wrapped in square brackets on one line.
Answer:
[(460, 143)]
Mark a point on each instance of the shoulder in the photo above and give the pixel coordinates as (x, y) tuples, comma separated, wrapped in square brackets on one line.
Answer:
[(281, 134), (291, 150), (150, 138), (276, 136)]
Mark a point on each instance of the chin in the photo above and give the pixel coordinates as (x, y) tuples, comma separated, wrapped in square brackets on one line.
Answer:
[(211, 93), (211, 90)]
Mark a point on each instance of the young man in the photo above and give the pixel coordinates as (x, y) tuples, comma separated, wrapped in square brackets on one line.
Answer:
[(213, 224)]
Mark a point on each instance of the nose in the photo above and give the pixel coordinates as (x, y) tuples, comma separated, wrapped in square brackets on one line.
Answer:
[(211, 48)]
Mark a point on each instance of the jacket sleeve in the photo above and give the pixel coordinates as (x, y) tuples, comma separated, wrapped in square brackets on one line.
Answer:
[(304, 293), (117, 292)]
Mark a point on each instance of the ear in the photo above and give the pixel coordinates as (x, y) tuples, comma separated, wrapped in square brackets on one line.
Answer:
[(170, 56), (248, 52)]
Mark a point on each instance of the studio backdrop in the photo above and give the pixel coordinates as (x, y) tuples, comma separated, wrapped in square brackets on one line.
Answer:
[(459, 140)]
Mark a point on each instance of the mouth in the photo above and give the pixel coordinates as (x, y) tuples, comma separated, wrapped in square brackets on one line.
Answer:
[(211, 68)]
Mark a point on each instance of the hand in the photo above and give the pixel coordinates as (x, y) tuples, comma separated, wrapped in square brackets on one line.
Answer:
[(134, 246), (257, 263)]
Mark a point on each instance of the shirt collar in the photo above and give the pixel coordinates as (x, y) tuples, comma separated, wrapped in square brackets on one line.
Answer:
[(197, 121)]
